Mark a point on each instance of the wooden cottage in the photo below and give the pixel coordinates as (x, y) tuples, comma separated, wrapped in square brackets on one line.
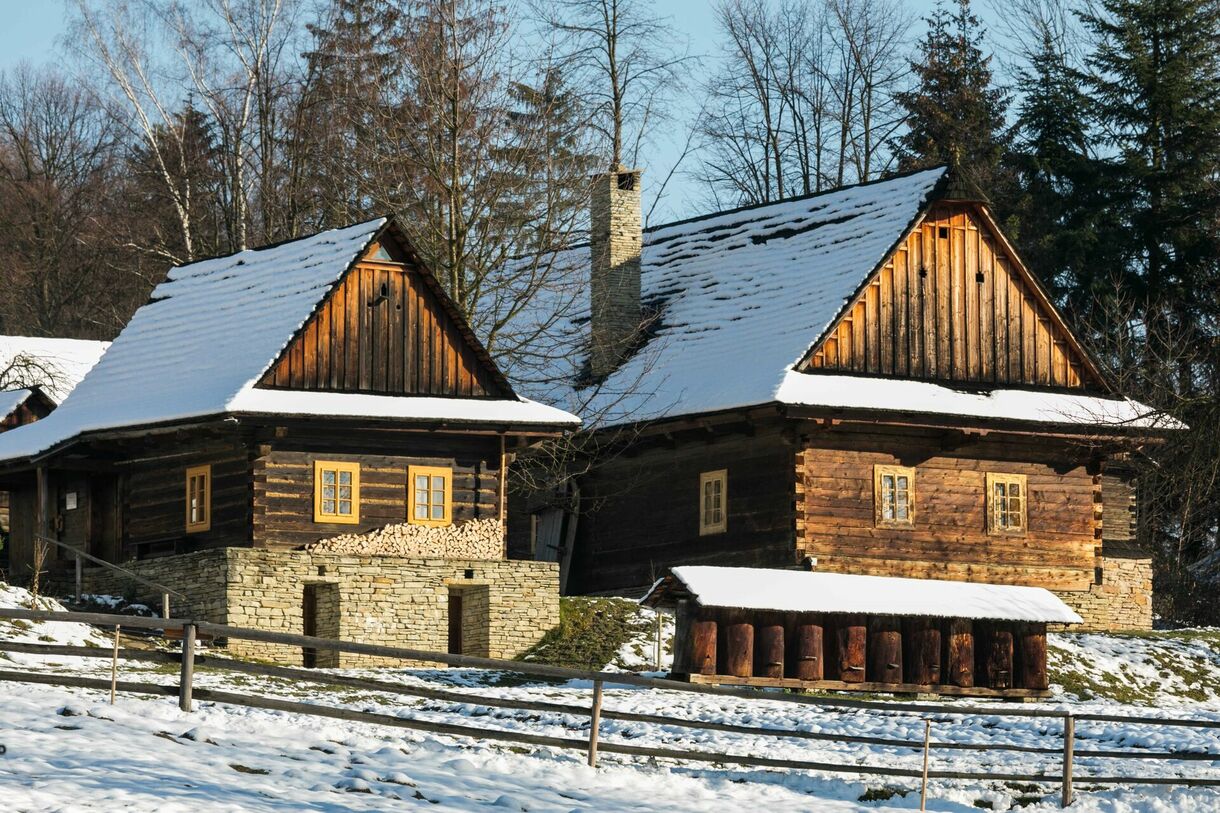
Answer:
[(812, 630), (867, 378), (267, 400)]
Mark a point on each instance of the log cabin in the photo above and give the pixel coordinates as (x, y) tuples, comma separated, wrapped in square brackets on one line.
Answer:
[(264, 402), (862, 381), (833, 631)]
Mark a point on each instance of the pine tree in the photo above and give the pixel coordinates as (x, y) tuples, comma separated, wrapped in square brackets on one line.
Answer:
[(1055, 217), (954, 113), (1155, 79), (353, 75)]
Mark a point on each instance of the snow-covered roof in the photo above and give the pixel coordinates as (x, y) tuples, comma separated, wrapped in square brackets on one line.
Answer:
[(741, 297), (750, 588), (11, 399), (56, 366), (211, 330)]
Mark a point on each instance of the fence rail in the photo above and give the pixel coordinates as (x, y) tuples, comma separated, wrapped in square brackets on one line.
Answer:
[(1062, 774)]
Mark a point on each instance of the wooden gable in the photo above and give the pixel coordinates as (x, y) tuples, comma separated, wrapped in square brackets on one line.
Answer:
[(954, 303), (387, 328)]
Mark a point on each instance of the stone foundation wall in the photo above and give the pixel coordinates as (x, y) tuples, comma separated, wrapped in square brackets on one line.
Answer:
[(1123, 600), (393, 601)]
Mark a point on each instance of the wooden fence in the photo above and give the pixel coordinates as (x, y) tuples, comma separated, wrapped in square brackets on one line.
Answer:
[(1061, 772)]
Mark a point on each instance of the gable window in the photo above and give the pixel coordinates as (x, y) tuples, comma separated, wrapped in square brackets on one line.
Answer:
[(430, 495), (713, 502), (1007, 498), (894, 496), (336, 492), (198, 499)]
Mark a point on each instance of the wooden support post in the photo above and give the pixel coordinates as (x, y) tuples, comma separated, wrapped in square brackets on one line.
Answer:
[(958, 660), (884, 649), (804, 640), (737, 644), (114, 664), (1069, 746), (187, 675), (595, 719), (927, 746), (165, 605), (79, 576)]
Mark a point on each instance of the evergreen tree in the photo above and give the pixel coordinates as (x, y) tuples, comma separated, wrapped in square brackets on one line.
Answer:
[(354, 78), (954, 112), (1055, 216), (1155, 81)]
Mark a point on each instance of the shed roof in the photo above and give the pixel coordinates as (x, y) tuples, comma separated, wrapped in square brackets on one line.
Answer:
[(11, 399), (211, 330), (740, 299), (813, 592)]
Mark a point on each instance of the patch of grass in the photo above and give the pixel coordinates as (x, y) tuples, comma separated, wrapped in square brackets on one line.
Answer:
[(237, 766), (882, 794), (591, 631), (982, 804)]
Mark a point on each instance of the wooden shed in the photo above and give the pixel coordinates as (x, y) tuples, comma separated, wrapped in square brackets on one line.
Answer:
[(810, 630)]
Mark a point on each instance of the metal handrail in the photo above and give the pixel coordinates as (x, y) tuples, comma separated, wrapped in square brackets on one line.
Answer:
[(166, 592)]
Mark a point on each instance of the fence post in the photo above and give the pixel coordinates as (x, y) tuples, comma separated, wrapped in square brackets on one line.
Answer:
[(79, 576), (595, 719), (1069, 745), (114, 664), (927, 746), (165, 605), (187, 676)]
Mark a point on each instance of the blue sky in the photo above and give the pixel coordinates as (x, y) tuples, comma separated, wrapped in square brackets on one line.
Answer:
[(33, 30)]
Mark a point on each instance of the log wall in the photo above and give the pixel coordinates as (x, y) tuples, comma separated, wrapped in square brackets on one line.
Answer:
[(836, 523), (283, 482), (640, 511)]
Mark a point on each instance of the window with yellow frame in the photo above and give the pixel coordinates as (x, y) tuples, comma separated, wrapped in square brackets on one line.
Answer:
[(336, 492), (430, 495), (198, 499), (1007, 501), (894, 496)]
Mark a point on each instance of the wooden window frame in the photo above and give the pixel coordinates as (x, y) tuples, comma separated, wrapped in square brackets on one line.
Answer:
[(337, 466), (879, 517), (994, 526), (430, 471), (194, 473), (706, 527)]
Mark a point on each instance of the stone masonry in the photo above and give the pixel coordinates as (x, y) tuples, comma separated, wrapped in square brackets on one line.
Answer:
[(1122, 601), (507, 606), (616, 240)]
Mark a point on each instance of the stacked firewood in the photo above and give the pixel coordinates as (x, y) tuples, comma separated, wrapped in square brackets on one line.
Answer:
[(477, 539)]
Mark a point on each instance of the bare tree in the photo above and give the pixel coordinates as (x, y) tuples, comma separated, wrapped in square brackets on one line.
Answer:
[(58, 154), (627, 63)]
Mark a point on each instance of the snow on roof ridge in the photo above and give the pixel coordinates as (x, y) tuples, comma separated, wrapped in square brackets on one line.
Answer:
[(816, 591)]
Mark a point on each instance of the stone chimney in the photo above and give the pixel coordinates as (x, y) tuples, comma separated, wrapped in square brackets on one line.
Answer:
[(616, 240)]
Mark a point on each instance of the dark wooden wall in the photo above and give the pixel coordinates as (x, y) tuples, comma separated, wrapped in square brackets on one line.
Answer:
[(640, 511), (34, 408), (402, 343), (154, 501), (283, 484), (952, 305), (835, 520)]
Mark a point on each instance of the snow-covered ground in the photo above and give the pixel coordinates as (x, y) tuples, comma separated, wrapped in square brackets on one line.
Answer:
[(70, 750)]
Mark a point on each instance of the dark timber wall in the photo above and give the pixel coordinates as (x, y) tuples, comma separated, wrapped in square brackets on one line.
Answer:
[(283, 481), (640, 511)]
